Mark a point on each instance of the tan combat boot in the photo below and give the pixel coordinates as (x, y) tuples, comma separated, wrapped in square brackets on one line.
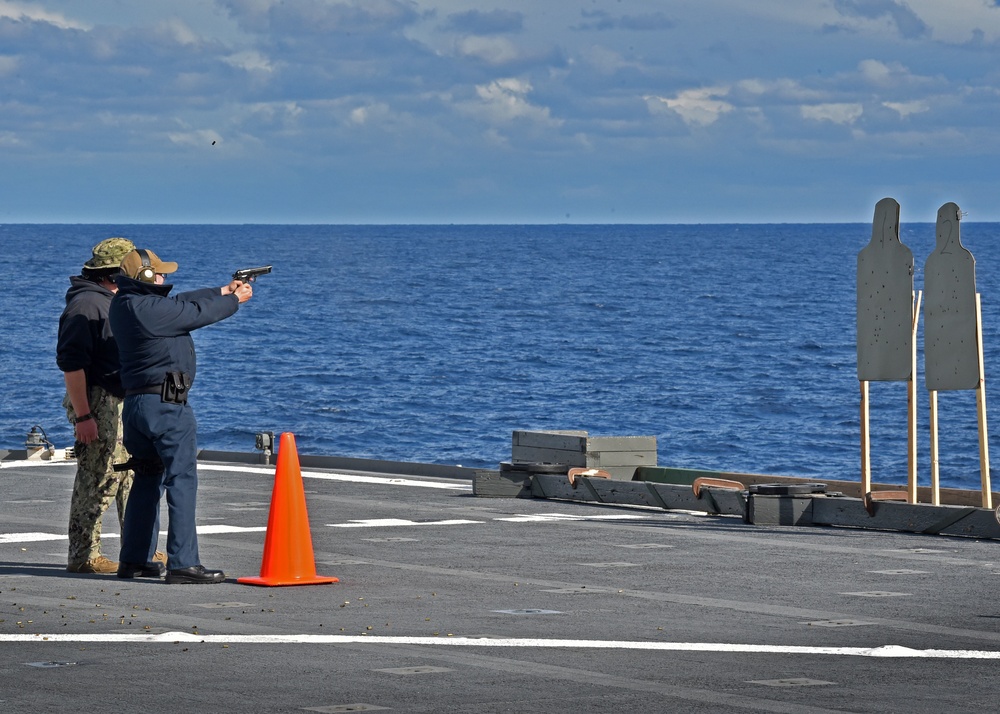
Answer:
[(100, 564)]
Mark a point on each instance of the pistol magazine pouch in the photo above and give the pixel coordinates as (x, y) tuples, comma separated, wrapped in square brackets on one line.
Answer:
[(175, 387)]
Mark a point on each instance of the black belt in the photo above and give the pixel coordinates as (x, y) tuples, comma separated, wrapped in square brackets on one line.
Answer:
[(151, 389), (173, 389)]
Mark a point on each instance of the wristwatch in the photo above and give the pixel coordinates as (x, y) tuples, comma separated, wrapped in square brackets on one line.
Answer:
[(85, 417)]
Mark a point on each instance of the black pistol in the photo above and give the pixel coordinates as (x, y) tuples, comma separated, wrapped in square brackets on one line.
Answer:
[(249, 275)]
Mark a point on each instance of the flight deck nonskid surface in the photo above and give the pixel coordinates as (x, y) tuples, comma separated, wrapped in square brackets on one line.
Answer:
[(451, 603)]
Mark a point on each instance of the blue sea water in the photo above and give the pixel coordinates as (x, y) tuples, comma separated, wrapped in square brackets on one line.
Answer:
[(734, 345)]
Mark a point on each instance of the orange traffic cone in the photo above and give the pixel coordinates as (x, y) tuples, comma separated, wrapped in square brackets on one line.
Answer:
[(288, 551)]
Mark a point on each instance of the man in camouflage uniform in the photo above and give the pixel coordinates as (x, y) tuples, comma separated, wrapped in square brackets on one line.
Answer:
[(87, 354)]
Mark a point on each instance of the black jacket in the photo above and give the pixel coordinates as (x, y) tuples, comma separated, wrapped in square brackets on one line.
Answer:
[(154, 330), (85, 340)]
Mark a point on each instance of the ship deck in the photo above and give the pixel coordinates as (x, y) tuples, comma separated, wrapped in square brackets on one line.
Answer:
[(447, 602)]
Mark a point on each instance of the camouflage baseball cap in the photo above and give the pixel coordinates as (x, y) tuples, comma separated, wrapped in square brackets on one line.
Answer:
[(109, 253)]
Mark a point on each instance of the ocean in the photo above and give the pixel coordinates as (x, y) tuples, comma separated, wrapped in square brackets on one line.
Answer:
[(733, 345)]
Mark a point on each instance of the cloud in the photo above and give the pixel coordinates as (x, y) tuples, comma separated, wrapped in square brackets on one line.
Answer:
[(492, 50), (477, 22), (200, 138), (700, 107), (8, 65), (280, 114), (310, 18), (180, 32), (960, 22), (839, 113), (955, 22), (363, 115), (249, 61), (320, 49), (602, 20), (905, 109), (876, 72), (607, 61), (415, 84), (504, 101), (887, 76), (31, 12), (251, 15), (782, 89), (899, 15), (10, 140)]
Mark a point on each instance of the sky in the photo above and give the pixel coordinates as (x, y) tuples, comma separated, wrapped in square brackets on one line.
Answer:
[(500, 111)]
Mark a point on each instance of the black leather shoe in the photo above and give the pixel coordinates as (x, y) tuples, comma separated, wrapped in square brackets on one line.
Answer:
[(141, 570), (195, 575)]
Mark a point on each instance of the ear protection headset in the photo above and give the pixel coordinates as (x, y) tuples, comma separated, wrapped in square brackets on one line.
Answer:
[(146, 273)]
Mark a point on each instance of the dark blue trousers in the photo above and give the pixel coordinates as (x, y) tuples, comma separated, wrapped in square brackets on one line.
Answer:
[(152, 429)]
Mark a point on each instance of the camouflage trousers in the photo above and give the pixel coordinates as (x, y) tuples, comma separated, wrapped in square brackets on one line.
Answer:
[(97, 484)]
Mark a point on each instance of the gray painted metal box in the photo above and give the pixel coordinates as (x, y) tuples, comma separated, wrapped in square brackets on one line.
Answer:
[(499, 484), (620, 456)]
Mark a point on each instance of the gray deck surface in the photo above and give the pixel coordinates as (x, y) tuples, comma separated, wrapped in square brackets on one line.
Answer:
[(529, 575)]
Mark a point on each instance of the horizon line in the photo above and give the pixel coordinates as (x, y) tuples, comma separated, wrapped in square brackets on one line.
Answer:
[(463, 224)]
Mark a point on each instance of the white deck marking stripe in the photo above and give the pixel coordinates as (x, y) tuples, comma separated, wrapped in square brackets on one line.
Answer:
[(8, 538), (269, 471), (392, 522), (353, 478), (894, 651), (29, 537), (202, 530), (21, 463), (554, 517), (212, 530)]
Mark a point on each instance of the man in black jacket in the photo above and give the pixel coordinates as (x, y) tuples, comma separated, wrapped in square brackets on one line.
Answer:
[(88, 357), (158, 369)]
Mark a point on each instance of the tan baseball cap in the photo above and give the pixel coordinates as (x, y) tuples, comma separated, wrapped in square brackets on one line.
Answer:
[(142, 264)]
